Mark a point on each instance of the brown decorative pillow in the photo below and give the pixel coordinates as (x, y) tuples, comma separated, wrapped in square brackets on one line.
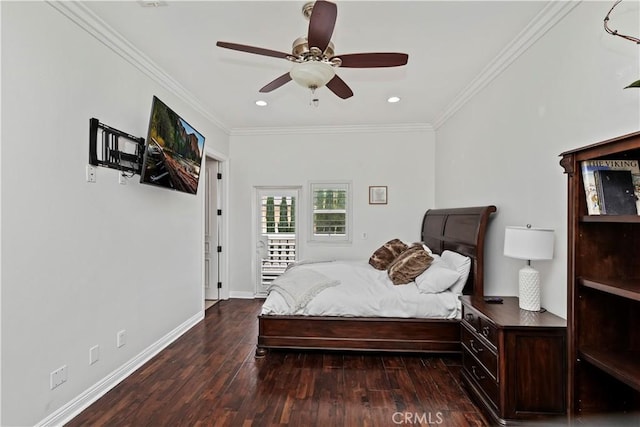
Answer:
[(409, 265), (385, 254)]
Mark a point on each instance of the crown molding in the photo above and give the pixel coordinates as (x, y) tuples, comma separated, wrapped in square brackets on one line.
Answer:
[(409, 127), (82, 16), (546, 19)]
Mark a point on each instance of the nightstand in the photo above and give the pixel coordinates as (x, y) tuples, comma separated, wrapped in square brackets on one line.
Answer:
[(514, 361)]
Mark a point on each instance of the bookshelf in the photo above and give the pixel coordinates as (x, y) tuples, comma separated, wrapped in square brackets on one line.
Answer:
[(603, 293)]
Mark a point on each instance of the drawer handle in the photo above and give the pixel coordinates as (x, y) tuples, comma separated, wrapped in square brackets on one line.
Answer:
[(485, 331), (473, 347), (475, 374), (469, 317)]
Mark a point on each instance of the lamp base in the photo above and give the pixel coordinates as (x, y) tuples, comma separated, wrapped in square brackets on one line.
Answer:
[(529, 289)]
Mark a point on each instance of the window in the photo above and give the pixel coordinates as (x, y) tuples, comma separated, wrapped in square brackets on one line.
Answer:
[(278, 214), (331, 211)]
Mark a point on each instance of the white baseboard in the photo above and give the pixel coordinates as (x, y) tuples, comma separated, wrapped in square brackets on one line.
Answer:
[(93, 393), (242, 295)]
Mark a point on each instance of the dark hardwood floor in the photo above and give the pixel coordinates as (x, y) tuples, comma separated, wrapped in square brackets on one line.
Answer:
[(209, 377)]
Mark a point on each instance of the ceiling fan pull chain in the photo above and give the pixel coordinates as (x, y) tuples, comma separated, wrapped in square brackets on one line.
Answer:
[(314, 101)]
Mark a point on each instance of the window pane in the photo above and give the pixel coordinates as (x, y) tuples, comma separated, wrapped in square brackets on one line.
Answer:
[(278, 214), (329, 223), (330, 199)]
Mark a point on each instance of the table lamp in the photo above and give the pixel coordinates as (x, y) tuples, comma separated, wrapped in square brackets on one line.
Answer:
[(531, 244)]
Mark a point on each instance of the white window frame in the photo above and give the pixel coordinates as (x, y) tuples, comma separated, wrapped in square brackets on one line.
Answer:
[(330, 185)]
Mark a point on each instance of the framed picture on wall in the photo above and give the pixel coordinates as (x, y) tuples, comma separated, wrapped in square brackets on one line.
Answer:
[(377, 195)]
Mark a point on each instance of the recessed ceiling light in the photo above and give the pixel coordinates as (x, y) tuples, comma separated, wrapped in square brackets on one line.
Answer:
[(261, 103), (393, 99)]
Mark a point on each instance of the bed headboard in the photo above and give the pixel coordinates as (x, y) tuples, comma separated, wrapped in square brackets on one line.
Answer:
[(461, 230)]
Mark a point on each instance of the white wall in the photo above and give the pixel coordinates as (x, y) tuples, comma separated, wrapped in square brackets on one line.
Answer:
[(403, 160), (82, 261), (503, 147)]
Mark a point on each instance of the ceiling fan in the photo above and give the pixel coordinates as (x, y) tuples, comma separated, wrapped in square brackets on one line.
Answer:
[(313, 56)]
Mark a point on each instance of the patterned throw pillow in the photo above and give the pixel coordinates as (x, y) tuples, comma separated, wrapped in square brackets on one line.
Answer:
[(409, 265), (385, 254)]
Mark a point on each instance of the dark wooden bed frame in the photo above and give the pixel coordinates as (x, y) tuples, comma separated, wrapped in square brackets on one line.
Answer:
[(461, 230)]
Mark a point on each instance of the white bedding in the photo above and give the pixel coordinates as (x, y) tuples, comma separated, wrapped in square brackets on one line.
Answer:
[(364, 291)]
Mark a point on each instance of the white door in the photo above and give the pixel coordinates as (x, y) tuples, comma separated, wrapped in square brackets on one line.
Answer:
[(213, 222), (275, 236)]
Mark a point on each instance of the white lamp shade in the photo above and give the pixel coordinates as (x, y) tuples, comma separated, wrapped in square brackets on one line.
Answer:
[(533, 244), (312, 74)]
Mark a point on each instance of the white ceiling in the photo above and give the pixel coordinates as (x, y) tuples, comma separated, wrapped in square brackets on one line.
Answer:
[(450, 44)]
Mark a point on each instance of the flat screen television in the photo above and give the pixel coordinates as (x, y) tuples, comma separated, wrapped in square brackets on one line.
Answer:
[(173, 151)]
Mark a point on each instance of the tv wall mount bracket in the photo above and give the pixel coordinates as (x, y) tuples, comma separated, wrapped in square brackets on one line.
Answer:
[(115, 149)]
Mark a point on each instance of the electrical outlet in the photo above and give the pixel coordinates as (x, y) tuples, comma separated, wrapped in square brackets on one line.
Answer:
[(94, 354), (58, 376), (121, 338), (91, 173)]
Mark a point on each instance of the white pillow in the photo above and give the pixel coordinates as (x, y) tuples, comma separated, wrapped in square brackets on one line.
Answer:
[(462, 264), (439, 277)]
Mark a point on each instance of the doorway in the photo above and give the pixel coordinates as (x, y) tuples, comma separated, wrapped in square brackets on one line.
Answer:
[(276, 234)]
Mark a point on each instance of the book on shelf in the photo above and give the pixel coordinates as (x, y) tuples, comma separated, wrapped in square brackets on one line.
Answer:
[(588, 167), (616, 194)]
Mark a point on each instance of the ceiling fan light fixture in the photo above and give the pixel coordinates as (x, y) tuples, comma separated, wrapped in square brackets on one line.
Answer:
[(313, 56), (312, 74)]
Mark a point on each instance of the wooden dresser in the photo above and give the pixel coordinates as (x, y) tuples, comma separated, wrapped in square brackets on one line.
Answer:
[(514, 361)]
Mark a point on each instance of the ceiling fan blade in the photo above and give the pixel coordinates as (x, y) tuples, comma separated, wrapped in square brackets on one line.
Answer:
[(339, 87), (373, 60), (285, 78), (321, 24), (253, 49)]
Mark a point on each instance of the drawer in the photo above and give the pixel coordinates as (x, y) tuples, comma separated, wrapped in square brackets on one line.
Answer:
[(471, 318), (476, 372), (481, 351), (489, 331), (478, 323)]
